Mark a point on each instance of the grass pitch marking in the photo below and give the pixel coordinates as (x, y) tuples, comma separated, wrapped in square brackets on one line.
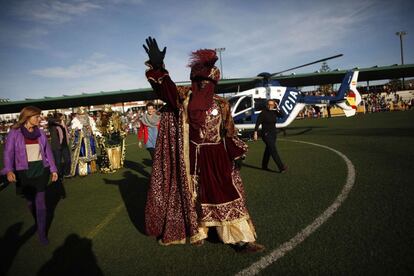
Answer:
[(284, 248), (105, 221), (109, 217)]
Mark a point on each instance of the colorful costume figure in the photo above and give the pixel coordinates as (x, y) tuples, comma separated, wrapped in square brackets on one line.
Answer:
[(112, 140), (83, 155), (195, 183)]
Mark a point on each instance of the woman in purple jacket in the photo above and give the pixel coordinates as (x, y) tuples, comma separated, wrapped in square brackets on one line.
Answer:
[(28, 160)]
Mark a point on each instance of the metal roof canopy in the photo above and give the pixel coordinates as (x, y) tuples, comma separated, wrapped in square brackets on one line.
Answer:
[(224, 86)]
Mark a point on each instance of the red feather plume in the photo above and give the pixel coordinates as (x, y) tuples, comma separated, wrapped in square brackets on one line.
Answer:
[(206, 57)]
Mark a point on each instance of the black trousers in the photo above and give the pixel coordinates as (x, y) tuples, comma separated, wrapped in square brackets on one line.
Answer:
[(269, 138), (60, 155), (152, 152)]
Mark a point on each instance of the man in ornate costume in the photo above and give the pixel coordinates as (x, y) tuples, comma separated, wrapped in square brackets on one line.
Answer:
[(112, 140), (83, 144), (195, 182)]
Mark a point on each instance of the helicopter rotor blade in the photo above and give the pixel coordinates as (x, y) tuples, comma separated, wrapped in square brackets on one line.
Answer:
[(307, 64)]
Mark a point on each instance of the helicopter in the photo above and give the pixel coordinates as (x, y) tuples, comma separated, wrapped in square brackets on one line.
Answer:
[(246, 105)]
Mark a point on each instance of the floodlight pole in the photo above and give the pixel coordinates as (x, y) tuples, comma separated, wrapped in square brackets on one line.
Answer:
[(401, 34), (219, 50)]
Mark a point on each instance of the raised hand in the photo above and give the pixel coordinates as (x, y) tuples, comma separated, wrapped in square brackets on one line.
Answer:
[(156, 57)]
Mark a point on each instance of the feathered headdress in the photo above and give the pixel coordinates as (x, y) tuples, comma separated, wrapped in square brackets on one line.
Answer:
[(206, 57), (202, 65)]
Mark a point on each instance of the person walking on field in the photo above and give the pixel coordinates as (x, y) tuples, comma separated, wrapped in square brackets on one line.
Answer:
[(267, 118), (28, 161), (59, 141), (148, 130)]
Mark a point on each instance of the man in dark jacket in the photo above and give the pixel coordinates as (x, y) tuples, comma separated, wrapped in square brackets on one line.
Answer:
[(59, 140), (267, 118)]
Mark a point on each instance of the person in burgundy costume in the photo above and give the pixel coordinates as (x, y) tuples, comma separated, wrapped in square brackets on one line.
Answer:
[(195, 182), (28, 161)]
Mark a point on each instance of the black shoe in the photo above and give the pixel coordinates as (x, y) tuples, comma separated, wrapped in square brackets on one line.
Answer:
[(265, 169), (250, 247)]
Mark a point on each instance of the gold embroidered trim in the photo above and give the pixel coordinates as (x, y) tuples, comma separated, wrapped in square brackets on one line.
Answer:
[(214, 74), (223, 204), (224, 222), (186, 145), (171, 243), (159, 80), (198, 237)]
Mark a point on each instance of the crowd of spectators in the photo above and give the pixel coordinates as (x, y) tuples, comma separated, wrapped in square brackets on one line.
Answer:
[(377, 101), (386, 101), (130, 121), (5, 127)]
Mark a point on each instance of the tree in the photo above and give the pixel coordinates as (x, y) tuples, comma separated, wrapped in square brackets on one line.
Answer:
[(325, 67), (325, 89)]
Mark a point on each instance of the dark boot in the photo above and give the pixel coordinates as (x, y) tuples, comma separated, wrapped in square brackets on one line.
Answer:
[(41, 226), (41, 215)]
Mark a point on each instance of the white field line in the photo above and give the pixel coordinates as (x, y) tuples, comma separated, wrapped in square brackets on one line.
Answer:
[(109, 217), (105, 221), (284, 248)]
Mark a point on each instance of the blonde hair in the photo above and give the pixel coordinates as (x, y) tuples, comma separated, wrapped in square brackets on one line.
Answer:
[(26, 113)]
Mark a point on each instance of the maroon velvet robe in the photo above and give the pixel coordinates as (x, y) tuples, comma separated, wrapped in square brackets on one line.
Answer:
[(200, 188)]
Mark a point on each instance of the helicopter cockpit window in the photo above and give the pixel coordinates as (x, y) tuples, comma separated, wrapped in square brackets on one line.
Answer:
[(233, 101), (259, 104), (244, 104)]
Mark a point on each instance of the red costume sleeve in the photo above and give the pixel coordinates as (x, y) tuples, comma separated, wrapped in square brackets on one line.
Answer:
[(143, 133), (163, 86), (140, 133), (235, 147)]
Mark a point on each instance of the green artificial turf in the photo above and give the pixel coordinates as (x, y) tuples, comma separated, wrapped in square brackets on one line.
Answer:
[(98, 228)]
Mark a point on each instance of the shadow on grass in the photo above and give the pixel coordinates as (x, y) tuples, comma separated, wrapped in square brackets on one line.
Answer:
[(282, 132), (147, 162), (3, 182), (74, 257), (54, 193), (257, 168), (139, 168), (300, 131), (133, 190), (213, 236), (10, 244)]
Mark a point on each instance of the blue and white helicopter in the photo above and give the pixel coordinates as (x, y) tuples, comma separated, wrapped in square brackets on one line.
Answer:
[(246, 105)]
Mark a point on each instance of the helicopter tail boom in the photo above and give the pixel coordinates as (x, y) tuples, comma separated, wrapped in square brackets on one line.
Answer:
[(349, 97)]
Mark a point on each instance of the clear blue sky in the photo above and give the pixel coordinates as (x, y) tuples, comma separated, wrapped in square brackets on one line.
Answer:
[(51, 48)]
